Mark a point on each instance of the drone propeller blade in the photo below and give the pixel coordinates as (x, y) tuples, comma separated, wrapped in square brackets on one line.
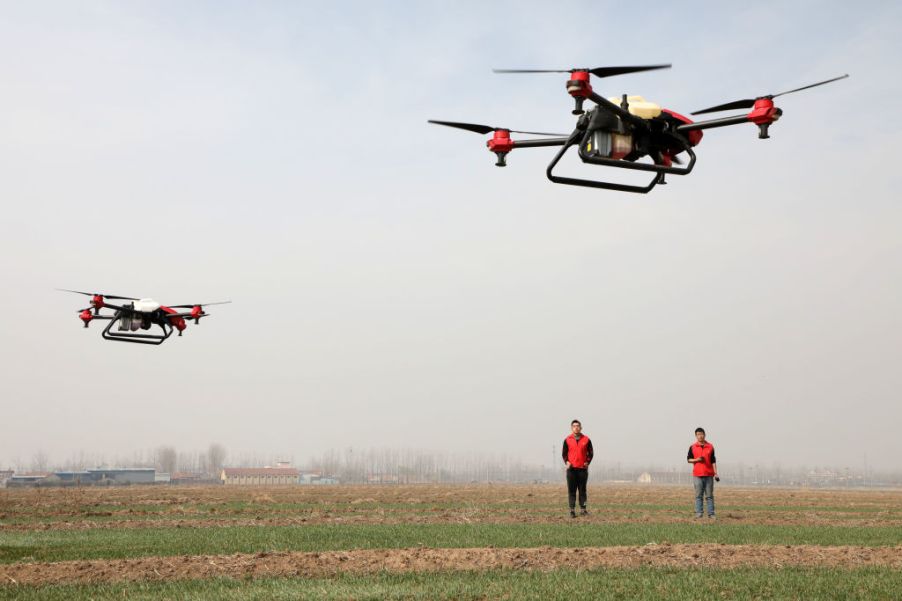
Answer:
[(474, 127), (111, 296), (532, 70), (199, 305), (814, 85), (729, 106), (596, 71), (612, 71), (484, 129), (750, 102)]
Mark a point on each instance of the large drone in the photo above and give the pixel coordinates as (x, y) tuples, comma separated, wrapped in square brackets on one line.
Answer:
[(139, 314), (620, 131)]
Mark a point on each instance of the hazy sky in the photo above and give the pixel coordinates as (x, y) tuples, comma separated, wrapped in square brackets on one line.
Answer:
[(392, 287)]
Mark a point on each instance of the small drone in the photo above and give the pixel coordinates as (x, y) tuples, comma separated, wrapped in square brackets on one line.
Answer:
[(139, 314), (620, 131)]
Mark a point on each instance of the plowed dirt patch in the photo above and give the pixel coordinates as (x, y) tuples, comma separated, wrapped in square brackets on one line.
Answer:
[(433, 560)]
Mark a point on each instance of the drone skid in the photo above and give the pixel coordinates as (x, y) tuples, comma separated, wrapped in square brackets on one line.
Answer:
[(110, 334), (578, 139)]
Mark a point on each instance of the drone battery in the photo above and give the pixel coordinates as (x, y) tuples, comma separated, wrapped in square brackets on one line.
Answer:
[(599, 144), (609, 145)]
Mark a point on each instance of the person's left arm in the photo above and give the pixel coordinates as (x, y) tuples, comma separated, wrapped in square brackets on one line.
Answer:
[(714, 463), (590, 453)]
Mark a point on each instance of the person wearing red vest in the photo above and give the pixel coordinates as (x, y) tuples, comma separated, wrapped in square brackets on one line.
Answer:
[(577, 454), (704, 472)]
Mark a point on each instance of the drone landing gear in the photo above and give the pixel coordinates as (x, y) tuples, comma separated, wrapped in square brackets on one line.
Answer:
[(659, 170), (126, 336)]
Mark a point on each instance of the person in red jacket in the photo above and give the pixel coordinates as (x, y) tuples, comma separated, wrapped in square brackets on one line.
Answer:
[(704, 472), (577, 454)]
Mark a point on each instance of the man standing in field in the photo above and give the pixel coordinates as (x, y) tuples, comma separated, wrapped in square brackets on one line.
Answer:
[(577, 454), (704, 472)]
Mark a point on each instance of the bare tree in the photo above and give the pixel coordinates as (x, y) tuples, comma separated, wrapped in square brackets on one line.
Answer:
[(39, 462), (167, 459), (216, 455)]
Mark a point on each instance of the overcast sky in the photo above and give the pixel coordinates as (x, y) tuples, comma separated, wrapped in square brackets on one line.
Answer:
[(392, 287)]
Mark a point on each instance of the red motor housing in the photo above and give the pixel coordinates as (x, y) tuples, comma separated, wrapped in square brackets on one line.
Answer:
[(763, 114), (86, 316), (764, 111), (578, 86), (500, 142)]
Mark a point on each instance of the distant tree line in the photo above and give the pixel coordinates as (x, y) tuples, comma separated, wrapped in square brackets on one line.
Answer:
[(391, 465), (164, 458)]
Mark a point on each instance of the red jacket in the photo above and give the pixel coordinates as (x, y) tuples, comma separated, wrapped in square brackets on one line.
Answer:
[(578, 452), (705, 467)]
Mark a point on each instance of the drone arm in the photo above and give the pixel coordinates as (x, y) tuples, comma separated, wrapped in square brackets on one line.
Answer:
[(540, 142), (185, 315), (712, 123), (107, 305)]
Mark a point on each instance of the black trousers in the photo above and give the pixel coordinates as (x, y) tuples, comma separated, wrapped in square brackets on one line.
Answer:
[(576, 480)]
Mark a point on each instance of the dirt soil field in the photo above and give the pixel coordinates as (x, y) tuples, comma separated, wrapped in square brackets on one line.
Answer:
[(213, 506), (430, 560)]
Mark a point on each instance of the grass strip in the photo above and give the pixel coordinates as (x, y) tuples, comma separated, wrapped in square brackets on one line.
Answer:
[(111, 543), (643, 584)]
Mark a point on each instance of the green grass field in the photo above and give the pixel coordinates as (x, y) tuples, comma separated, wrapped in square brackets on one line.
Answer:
[(114, 544), (42, 528), (564, 585)]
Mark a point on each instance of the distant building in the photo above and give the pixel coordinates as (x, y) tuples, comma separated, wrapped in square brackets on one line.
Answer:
[(82, 477), (191, 478), (317, 478), (383, 479), (644, 478), (161, 478), (259, 476), (123, 475), (4, 476), (27, 479)]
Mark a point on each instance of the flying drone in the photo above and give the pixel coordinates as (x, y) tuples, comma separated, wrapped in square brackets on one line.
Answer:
[(139, 314), (618, 132)]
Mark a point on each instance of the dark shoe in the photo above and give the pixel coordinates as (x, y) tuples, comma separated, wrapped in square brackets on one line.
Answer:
[(583, 512), (572, 514)]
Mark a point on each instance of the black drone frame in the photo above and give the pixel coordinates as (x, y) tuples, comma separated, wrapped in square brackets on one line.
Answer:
[(126, 336), (130, 319), (660, 138), (578, 139)]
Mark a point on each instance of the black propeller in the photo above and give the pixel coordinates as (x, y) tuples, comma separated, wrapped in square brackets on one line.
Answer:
[(110, 296), (199, 305), (484, 129), (597, 71), (750, 102)]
